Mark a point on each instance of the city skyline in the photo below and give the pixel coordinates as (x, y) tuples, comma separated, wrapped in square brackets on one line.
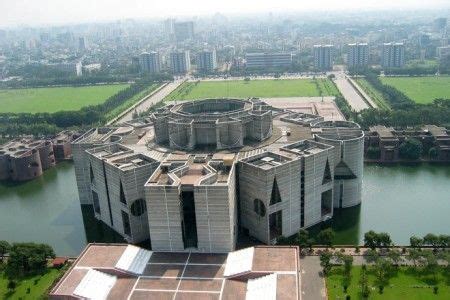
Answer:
[(52, 12)]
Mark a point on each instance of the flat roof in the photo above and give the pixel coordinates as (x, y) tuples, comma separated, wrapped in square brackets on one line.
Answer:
[(176, 275)]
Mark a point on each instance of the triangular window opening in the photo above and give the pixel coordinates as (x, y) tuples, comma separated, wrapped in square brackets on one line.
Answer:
[(327, 173), (91, 173), (275, 197), (122, 194)]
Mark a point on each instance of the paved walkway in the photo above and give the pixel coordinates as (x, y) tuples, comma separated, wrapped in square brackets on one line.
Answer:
[(150, 101), (312, 282), (349, 92)]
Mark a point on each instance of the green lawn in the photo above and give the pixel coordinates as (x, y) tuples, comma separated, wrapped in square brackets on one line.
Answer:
[(421, 89), (37, 291), (405, 284), (253, 88), (374, 94), (34, 100)]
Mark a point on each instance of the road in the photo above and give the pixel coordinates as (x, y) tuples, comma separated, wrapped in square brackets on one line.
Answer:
[(149, 101), (312, 282), (350, 94)]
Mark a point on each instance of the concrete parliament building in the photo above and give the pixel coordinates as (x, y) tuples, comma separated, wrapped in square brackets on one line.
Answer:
[(192, 175)]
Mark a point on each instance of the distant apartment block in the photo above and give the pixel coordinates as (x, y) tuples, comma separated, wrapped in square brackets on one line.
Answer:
[(393, 55), (149, 62), (268, 60), (81, 44), (168, 26), (72, 68), (180, 62), (323, 57), (357, 55), (184, 30), (442, 52), (207, 60)]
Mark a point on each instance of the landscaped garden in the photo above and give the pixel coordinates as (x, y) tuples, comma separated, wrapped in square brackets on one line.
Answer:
[(25, 273), (254, 88), (421, 89), (53, 99)]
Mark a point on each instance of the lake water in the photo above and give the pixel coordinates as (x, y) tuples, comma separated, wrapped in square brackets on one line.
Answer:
[(402, 200)]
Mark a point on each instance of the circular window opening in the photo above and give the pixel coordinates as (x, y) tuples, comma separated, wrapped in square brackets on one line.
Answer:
[(259, 207), (138, 207)]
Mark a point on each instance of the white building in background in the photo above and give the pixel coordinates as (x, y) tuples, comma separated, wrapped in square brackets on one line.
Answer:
[(357, 55), (268, 60), (207, 60), (180, 61), (442, 52), (150, 62), (323, 57), (72, 68), (393, 55)]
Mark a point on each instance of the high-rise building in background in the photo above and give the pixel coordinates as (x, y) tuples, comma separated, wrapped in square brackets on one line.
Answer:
[(149, 62), (357, 55), (323, 57), (184, 30), (168, 26), (180, 62), (393, 55), (81, 43), (440, 24), (207, 60), (268, 60), (443, 52)]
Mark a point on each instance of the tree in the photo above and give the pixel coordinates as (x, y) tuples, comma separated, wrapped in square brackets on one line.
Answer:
[(302, 238), (414, 256), (11, 285), (326, 236), (370, 239), (382, 269), (411, 149), (28, 258), (383, 239), (364, 283), (325, 261), (433, 153), (431, 240), (4, 248), (348, 263), (394, 256), (415, 242), (444, 240), (372, 256)]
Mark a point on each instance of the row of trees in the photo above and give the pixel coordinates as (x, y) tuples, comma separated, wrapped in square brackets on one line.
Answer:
[(437, 113), (430, 240), (70, 81)]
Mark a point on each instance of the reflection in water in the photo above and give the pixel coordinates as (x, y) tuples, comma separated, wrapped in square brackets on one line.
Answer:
[(402, 200), (96, 231)]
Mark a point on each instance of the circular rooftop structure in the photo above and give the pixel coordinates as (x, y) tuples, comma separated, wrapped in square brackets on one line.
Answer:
[(338, 130), (222, 123)]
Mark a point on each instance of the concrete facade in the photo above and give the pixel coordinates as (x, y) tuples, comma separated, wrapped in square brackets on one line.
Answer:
[(323, 57), (176, 181), (393, 55), (27, 158)]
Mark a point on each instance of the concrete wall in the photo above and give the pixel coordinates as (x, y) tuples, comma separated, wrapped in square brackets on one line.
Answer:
[(164, 216)]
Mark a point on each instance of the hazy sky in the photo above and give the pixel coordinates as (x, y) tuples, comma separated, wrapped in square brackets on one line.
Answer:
[(32, 12)]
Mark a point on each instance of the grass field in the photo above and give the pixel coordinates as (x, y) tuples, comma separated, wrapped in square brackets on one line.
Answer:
[(35, 100), (421, 89), (374, 94), (253, 88), (37, 291), (405, 284)]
